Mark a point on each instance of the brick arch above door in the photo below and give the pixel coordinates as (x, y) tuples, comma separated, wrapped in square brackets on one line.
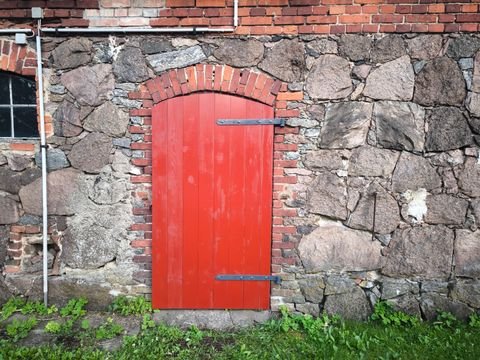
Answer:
[(224, 79)]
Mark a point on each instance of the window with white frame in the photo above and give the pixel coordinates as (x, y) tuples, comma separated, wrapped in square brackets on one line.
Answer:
[(18, 106)]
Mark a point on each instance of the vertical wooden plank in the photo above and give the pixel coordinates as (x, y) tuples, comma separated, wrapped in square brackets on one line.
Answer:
[(236, 202), (221, 202), (190, 201), (206, 185), (159, 205), (175, 203)]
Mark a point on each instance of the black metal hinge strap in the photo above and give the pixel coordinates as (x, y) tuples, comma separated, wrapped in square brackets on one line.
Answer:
[(276, 121), (228, 277)]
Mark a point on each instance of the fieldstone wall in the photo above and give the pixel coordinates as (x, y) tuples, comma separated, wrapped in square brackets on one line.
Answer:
[(377, 195)]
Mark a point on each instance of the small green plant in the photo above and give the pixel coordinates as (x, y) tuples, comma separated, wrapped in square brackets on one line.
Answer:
[(387, 315), (474, 321), (25, 307), (445, 320), (147, 322), (108, 330), (53, 327), (19, 329), (38, 307), (74, 308), (85, 324), (130, 305), (12, 305)]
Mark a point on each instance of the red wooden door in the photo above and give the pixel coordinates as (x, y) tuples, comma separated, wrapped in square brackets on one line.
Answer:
[(211, 202)]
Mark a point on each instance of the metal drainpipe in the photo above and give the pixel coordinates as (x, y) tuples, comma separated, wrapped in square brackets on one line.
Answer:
[(43, 147), (149, 30), (15, 31), (235, 13)]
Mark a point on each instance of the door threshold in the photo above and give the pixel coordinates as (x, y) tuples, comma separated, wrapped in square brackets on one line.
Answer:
[(212, 319)]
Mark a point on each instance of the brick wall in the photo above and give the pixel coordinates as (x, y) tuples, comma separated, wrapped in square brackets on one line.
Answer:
[(257, 17)]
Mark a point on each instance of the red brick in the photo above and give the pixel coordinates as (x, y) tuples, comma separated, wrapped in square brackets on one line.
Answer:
[(141, 179), (180, 3)]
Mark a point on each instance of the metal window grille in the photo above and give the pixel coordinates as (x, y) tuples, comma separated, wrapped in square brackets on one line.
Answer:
[(18, 108)]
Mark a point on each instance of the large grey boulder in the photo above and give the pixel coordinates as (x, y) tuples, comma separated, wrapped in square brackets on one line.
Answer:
[(467, 291), (446, 209), (4, 239), (332, 246), (94, 239), (329, 78), (56, 159), (129, 66), (473, 103), (469, 178), (91, 153), (68, 119), (321, 46), (388, 48), (327, 196), (312, 287), (355, 47), (372, 161), (463, 46), (352, 305), (476, 209), (61, 289), (424, 252), (346, 125), (467, 253), (432, 304), (400, 125), (12, 181), (72, 53), (440, 83), (18, 162), (9, 213), (393, 80), (176, 59), (90, 85), (327, 159), (387, 214), (239, 53), (447, 130), (108, 119), (64, 193), (107, 189), (285, 60), (476, 73), (155, 46), (424, 47), (392, 288), (414, 172)]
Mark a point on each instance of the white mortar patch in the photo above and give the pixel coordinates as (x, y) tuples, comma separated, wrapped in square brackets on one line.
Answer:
[(417, 206)]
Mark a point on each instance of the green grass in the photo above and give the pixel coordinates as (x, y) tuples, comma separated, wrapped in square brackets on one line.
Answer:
[(387, 335)]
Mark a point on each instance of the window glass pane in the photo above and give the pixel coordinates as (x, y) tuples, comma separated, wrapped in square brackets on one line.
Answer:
[(4, 92), (5, 123), (23, 90), (25, 122)]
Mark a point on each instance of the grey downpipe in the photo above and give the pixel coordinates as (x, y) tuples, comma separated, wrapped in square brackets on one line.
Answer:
[(126, 30), (43, 147)]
